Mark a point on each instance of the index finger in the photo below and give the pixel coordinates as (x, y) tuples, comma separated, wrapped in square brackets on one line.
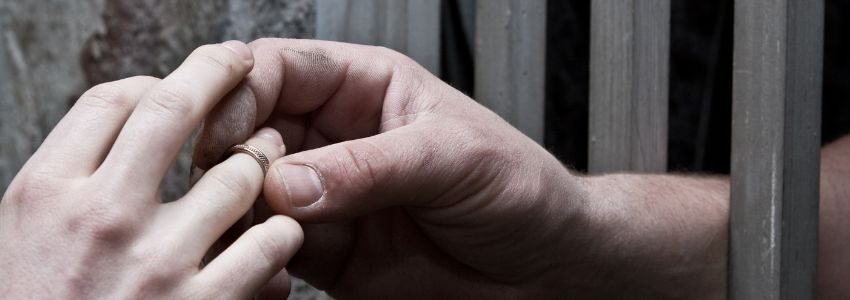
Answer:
[(167, 114), (341, 88)]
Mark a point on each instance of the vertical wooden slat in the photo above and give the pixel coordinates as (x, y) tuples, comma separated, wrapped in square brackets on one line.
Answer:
[(510, 57), (408, 26), (629, 51), (423, 38), (775, 149)]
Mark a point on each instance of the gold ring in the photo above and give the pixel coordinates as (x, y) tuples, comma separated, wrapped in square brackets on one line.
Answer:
[(253, 152)]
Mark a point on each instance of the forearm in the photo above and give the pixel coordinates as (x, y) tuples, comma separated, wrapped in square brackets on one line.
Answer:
[(834, 246), (662, 236), (666, 235)]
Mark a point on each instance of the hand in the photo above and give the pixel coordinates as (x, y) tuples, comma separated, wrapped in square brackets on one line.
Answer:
[(82, 219), (408, 188)]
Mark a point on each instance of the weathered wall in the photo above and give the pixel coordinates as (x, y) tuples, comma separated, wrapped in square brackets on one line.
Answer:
[(53, 50)]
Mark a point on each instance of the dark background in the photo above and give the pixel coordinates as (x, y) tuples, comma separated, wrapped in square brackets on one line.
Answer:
[(700, 78)]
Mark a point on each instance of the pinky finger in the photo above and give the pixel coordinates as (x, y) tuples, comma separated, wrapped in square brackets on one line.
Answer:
[(244, 268)]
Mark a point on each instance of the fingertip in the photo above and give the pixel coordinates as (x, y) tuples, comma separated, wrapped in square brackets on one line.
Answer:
[(290, 228), (293, 186), (240, 48), (270, 135), (255, 258), (269, 141)]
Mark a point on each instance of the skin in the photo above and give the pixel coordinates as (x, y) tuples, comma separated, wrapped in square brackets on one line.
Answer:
[(406, 188), (82, 219), (834, 246)]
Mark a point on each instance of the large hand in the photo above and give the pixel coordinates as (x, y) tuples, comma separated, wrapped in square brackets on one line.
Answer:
[(408, 188), (82, 219)]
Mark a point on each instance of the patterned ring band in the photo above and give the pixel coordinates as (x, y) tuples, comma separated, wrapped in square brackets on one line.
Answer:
[(253, 152)]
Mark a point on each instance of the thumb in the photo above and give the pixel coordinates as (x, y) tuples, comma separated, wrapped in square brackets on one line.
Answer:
[(416, 165)]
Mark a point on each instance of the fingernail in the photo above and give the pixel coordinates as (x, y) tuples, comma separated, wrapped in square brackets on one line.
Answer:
[(269, 135), (239, 48), (303, 185)]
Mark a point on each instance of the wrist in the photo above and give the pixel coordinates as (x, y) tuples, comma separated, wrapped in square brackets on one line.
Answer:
[(573, 251), (650, 236)]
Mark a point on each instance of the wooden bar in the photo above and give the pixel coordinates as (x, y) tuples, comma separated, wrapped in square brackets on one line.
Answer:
[(408, 26), (510, 61), (629, 53), (775, 149)]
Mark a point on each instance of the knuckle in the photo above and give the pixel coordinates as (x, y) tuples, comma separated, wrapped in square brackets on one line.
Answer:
[(27, 187), (395, 57), (156, 280), (216, 58), (389, 52), (362, 162), (266, 244), (21, 187), (106, 95), (103, 223), (233, 185), (169, 100), (262, 41), (158, 251), (144, 80)]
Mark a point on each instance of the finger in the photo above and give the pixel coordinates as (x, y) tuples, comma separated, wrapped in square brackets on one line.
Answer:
[(295, 77), (224, 194), (166, 115), (258, 213), (277, 288), (414, 165), (258, 255), (78, 144), (231, 234)]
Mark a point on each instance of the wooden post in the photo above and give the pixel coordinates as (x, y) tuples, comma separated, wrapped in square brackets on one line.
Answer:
[(629, 51), (411, 27), (775, 149), (510, 61)]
